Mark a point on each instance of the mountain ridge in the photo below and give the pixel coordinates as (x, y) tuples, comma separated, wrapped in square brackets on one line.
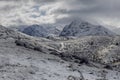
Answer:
[(41, 30), (80, 28)]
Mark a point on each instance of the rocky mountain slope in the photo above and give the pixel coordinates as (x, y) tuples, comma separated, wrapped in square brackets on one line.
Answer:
[(103, 50), (41, 30), (24, 57), (80, 28)]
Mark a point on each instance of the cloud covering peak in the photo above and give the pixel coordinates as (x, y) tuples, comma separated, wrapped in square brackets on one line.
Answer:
[(27, 12)]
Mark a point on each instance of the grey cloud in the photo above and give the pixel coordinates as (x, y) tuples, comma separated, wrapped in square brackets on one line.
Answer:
[(93, 10), (10, 0)]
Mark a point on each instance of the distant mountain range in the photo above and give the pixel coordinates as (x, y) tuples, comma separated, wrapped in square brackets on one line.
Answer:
[(80, 28), (41, 31), (76, 28)]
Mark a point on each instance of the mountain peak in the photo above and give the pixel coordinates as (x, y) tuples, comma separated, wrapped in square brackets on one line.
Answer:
[(80, 28)]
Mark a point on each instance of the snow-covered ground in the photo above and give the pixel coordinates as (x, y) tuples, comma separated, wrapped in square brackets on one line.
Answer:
[(20, 63)]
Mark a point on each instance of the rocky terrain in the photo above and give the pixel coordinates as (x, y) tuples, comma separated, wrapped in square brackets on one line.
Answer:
[(23, 57), (76, 28), (103, 50)]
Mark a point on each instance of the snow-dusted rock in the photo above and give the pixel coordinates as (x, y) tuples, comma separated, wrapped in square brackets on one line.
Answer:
[(80, 28), (41, 30), (99, 49)]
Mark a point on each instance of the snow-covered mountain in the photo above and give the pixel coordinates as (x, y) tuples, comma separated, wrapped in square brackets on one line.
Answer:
[(41, 30), (24, 57), (80, 28)]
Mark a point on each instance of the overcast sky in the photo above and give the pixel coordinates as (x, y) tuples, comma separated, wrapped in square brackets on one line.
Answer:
[(27, 12)]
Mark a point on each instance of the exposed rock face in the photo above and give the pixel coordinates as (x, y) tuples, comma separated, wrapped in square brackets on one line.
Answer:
[(80, 28), (41, 31)]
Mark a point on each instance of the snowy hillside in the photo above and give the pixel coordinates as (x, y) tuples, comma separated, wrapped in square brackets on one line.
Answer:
[(80, 28), (41, 30), (96, 49), (24, 57)]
